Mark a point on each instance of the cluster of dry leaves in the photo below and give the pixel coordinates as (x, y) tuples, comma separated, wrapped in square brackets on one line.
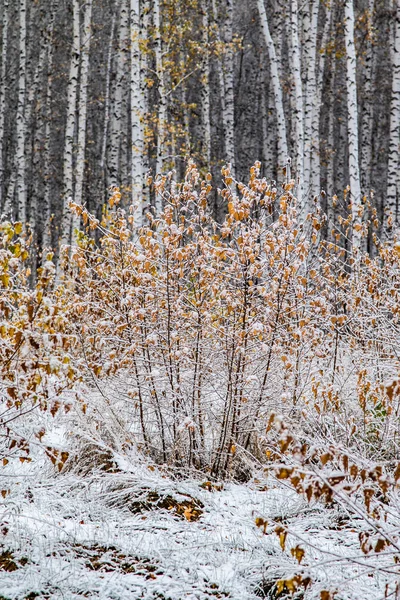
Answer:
[(255, 339)]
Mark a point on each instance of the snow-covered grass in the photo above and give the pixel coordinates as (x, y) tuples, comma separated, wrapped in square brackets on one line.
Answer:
[(139, 532)]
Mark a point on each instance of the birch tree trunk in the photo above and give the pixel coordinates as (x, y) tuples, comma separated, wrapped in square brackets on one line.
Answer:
[(4, 49), (311, 108), (68, 162), (162, 100), (82, 109), (21, 117), (315, 181), (107, 104), (46, 236), (298, 110), (229, 132), (367, 112), (34, 124), (162, 104), (276, 87), (352, 123), (330, 148), (145, 23), (136, 115), (392, 210), (114, 162), (219, 70), (205, 90)]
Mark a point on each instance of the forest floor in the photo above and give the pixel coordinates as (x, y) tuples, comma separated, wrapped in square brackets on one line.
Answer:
[(138, 533)]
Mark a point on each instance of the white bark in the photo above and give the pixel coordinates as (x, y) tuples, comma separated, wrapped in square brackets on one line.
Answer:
[(116, 129), (330, 179), (21, 117), (220, 73), (352, 123), (46, 238), (205, 90), (315, 182), (367, 113), (311, 133), (145, 24), (298, 110), (229, 133), (161, 88), (82, 108), (32, 152), (4, 48), (162, 101), (137, 110), (393, 221), (276, 87), (107, 97), (330, 175), (72, 91)]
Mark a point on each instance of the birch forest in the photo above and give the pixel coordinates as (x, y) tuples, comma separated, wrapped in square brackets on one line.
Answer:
[(98, 94), (200, 299)]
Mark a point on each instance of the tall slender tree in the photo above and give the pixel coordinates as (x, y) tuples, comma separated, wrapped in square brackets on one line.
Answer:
[(205, 89), (352, 123), (21, 117), (70, 128), (137, 113), (392, 209), (298, 116), (46, 235), (3, 73), (117, 100), (229, 133), (276, 86), (311, 108)]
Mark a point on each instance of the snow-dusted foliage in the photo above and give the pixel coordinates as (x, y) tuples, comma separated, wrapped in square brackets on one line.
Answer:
[(171, 356)]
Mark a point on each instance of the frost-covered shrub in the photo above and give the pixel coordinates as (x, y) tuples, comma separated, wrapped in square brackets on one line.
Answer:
[(35, 360), (204, 329)]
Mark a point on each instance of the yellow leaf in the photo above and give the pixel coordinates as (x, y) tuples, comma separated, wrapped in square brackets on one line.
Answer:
[(298, 553), (280, 586), (18, 228), (5, 279)]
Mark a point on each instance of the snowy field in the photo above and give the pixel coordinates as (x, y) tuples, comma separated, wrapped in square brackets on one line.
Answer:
[(139, 533)]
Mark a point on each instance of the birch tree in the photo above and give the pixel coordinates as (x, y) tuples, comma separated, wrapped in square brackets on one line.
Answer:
[(367, 111), (72, 92), (82, 106), (352, 116), (276, 86), (392, 222), (116, 124), (205, 88), (219, 69), (162, 101), (21, 120), (229, 132), (46, 236), (107, 103), (137, 111), (315, 181), (298, 116), (311, 108), (4, 48)]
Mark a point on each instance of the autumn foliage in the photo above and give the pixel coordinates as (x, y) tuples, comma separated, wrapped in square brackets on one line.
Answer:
[(219, 346)]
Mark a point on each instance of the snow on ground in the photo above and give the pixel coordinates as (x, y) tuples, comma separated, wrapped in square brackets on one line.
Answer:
[(139, 534)]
